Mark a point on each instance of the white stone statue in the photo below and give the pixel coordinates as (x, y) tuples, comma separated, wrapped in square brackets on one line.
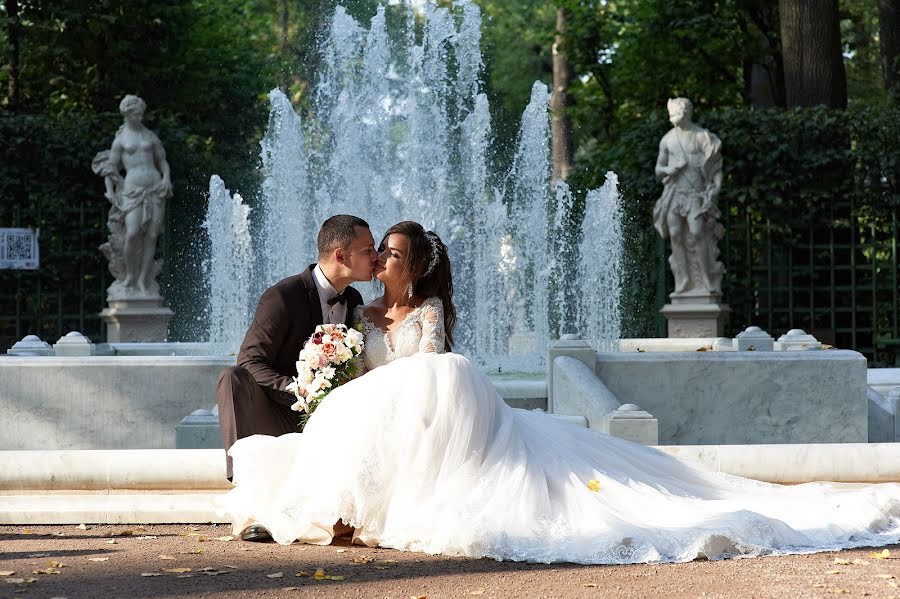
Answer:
[(137, 215), (690, 167)]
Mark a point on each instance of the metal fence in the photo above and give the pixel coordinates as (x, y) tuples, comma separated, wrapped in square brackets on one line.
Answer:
[(68, 291)]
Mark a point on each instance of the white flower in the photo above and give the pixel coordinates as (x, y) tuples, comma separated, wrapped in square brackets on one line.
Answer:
[(300, 405), (328, 372)]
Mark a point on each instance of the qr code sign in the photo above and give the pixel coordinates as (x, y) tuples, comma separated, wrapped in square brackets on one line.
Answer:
[(19, 248)]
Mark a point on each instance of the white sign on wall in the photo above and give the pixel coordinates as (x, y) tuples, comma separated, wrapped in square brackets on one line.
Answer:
[(19, 249)]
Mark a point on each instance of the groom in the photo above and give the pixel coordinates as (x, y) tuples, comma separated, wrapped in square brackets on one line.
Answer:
[(251, 396)]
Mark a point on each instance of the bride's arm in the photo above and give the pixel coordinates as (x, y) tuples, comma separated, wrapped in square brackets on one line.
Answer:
[(432, 322)]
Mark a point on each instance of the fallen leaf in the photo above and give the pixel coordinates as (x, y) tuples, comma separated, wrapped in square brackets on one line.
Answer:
[(81, 527), (195, 551), (47, 571), (302, 574), (54, 564), (418, 597), (177, 570), (594, 485), (841, 561), (15, 580), (112, 542), (225, 538), (166, 557), (341, 551), (150, 574), (146, 538), (477, 592), (590, 585), (232, 567), (819, 585), (98, 559), (886, 576), (363, 560), (834, 572), (275, 575), (839, 591), (27, 531), (7, 572), (126, 533), (319, 575), (193, 527), (883, 554)]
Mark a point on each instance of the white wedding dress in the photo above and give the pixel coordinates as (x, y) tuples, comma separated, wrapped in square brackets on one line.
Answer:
[(421, 454)]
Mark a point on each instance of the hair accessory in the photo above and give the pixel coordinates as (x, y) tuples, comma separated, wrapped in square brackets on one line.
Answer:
[(409, 290), (435, 252)]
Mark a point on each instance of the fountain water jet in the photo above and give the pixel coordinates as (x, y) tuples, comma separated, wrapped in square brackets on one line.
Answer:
[(401, 130)]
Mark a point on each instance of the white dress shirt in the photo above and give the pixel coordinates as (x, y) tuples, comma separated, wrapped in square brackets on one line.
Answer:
[(336, 314)]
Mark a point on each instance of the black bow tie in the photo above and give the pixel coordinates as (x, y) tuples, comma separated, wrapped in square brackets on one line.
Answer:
[(340, 298)]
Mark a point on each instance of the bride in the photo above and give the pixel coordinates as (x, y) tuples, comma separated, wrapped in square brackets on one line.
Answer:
[(421, 454)]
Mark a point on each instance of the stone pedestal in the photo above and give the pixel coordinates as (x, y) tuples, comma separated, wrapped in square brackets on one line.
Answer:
[(136, 320), (695, 315), (633, 424)]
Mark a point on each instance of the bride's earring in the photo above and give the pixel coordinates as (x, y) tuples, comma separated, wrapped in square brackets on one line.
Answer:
[(409, 290)]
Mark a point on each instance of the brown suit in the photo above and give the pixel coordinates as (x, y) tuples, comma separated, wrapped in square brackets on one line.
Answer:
[(251, 395)]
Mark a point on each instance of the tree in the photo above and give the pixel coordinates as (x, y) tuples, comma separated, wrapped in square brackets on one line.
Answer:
[(13, 34), (889, 33), (813, 64), (560, 126)]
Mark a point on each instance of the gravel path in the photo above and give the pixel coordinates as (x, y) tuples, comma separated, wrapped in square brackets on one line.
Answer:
[(203, 561)]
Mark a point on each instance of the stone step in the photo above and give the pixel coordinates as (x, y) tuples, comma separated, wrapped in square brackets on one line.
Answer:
[(180, 486)]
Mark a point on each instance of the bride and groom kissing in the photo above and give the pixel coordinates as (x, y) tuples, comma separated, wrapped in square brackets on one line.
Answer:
[(420, 453)]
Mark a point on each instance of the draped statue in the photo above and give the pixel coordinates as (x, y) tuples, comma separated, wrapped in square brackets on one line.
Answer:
[(690, 167), (138, 200)]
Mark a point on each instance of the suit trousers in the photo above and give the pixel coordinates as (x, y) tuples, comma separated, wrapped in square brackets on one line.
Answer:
[(246, 409)]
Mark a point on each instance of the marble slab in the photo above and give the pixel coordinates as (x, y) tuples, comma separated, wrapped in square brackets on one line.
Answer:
[(132, 508), (744, 397), (102, 402)]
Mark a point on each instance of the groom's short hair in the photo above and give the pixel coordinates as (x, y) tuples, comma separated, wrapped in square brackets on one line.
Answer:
[(339, 231)]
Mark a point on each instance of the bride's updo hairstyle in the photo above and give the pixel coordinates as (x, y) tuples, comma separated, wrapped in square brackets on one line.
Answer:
[(428, 267)]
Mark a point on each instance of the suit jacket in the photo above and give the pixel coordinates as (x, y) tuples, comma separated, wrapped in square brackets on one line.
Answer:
[(285, 318)]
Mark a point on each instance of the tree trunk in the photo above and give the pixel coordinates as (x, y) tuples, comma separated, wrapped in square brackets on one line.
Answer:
[(13, 31), (283, 25), (889, 33), (811, 45), (560, 128)]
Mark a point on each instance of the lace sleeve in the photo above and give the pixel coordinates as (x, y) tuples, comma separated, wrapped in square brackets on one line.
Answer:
[(431, 320)]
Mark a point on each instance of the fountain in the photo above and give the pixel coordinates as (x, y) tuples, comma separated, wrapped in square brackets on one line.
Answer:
[(402, 130)]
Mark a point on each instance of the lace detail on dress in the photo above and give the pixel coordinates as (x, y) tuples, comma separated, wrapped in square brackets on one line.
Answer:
[(421, 331)]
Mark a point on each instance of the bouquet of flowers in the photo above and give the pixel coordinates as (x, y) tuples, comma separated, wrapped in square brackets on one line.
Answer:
[(329, 359)]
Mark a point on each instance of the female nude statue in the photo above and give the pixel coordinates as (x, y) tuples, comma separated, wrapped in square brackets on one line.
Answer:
[(137, 216)]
